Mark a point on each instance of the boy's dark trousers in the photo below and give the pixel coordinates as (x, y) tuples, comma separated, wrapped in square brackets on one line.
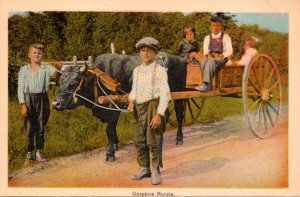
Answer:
[(148, 140), (37, 117)]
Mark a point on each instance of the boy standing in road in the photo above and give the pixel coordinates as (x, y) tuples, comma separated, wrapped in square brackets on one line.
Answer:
[(149, 100), (33, 82)]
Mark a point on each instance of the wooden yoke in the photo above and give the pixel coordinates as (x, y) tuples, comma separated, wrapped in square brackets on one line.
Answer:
[(105, 79)]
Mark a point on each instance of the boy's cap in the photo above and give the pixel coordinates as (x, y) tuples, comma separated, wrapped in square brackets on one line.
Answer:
[(215, 19), (147, 42)]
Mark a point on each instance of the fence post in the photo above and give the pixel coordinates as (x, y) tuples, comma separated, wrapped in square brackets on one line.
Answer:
[(90, 61), (75, 60), (112, 47)]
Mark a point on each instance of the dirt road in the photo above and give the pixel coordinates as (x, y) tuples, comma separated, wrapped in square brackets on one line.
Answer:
[(223, 154)]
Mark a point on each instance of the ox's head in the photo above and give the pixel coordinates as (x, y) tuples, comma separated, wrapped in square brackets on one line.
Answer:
[(69, 83)]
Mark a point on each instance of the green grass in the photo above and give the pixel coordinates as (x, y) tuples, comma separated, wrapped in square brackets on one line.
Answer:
[(74, 131), (67, 132)]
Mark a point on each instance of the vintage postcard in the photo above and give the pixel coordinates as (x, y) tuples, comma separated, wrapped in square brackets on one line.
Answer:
[(149, 98)]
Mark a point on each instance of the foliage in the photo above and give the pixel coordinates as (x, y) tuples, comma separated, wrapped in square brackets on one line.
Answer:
[(66, 34)]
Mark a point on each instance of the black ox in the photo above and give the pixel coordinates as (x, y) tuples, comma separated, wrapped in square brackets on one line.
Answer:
[(119, 67)]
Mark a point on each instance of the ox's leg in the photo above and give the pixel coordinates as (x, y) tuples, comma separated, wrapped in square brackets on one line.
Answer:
[(111, 132), (179, 116)]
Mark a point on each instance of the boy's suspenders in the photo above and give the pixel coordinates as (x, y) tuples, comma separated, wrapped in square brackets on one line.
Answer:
[(153, 78)]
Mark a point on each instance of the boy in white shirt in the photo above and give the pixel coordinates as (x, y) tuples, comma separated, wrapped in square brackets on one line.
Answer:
[(149, 100)]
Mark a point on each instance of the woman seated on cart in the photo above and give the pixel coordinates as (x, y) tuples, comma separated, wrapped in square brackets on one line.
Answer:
[(249, 52)]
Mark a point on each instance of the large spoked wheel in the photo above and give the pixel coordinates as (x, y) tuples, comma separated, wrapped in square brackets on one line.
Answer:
[(191, 109), (262, 95)]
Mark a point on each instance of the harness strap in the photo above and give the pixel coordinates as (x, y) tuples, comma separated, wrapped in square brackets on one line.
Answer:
[(79, 86), (96, 94)]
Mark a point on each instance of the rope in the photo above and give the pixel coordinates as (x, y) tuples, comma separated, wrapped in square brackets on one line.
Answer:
[(96, 103), (163, 62), (112, 102)]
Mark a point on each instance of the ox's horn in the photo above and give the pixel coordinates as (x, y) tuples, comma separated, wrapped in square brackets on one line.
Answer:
[(63, 67), (82, 68)]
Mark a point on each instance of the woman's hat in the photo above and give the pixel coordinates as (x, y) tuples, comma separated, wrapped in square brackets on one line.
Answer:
[(150, 42)]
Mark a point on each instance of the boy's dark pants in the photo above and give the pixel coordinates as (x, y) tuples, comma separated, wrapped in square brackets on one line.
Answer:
[(37, 117), (145, 139)]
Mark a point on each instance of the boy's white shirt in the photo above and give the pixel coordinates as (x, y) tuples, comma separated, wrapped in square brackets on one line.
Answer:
[(142, 86), (227, 44)]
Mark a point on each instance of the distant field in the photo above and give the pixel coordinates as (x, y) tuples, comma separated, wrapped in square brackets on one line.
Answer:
[(74, 131)]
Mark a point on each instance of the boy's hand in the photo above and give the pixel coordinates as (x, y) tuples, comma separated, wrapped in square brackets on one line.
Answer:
[(23, 111), (130, 106), (155, 122)]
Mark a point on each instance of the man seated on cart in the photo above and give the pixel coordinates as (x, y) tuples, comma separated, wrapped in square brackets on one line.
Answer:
[(217, 48)]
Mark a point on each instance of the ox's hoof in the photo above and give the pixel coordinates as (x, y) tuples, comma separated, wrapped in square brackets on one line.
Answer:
[(110, 158), (179, 140), (116, 147)]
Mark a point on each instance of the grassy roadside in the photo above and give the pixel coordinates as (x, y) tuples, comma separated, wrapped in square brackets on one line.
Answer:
[(74, 131)]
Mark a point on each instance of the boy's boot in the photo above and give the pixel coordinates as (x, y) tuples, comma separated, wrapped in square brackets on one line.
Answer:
[(155, 177), (39, 156), (141, 173), (29, 157)]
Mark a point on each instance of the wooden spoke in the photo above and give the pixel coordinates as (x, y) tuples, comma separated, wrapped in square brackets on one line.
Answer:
[(265, 117), (172, 109), (260, 69), (271, 106), (269, 78), (253, 94), (190, 109), (184, 112), (269, 115), (274, 85), (275, 97), (255, 103), (198, 107), (265, 72), (255, 73), (259, 118), (255, 86), (256, 111)]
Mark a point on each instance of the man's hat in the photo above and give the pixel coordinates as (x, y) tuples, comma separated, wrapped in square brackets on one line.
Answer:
[(150, 42), (215, 19)]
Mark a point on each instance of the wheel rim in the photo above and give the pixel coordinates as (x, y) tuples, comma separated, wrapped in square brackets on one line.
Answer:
[(262, 95), (191, 111)]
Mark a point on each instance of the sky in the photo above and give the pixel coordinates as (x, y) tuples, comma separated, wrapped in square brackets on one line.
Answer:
[(272, 21)]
